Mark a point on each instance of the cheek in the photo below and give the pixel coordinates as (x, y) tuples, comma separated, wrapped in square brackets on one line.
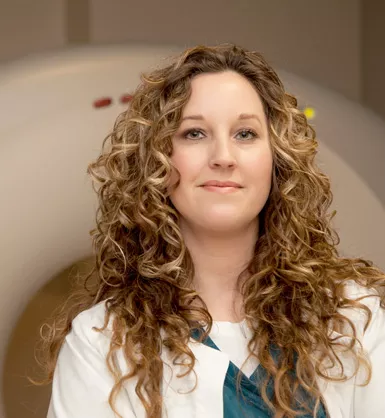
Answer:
[(259, 173), (259, 166), (188, 165)]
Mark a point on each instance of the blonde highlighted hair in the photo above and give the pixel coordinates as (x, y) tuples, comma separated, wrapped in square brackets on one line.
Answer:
[(294, 291)]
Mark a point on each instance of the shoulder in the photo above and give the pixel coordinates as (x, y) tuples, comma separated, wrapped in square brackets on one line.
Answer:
[(365, 295), (85, 327), (94, 315), (370, 298), (369, 396)]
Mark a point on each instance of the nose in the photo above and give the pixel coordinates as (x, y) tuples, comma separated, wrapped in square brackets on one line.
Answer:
[(222, 154)]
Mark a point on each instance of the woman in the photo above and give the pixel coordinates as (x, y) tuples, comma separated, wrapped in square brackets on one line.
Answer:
[(219, 291)]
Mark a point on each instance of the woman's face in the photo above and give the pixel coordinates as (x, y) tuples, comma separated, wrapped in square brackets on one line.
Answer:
[(223, 137)]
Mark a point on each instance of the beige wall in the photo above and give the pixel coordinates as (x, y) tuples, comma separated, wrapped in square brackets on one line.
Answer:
[(317, 40), (373, 59), (31, 26), (336, 43)]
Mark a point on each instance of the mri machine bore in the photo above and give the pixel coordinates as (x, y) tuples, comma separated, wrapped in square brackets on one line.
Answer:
[(50, 131)]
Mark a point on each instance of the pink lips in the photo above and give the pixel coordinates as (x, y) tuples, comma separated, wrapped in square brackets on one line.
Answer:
[(215, 183), (223, 187)]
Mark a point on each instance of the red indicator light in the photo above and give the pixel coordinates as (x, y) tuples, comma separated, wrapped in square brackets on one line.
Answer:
[(126, 98), (103, 102)]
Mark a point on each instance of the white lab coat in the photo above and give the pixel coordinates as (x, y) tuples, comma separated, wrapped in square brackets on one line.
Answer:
[(82, 382)]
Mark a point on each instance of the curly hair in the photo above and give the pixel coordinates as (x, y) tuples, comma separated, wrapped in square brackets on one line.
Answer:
[(294, 293)]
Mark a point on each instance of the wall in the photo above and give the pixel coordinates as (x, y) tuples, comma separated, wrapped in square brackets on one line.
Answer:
[(315, 40), (336, 43), (28, 27), (373, 59), (320, 41)]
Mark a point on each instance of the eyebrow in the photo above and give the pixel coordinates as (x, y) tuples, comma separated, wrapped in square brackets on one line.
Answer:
[(242, 116)]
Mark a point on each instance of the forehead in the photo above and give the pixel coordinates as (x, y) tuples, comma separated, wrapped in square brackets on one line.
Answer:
[(223, 91)]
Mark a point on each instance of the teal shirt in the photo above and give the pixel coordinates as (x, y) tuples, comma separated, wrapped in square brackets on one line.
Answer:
[(248, 402)]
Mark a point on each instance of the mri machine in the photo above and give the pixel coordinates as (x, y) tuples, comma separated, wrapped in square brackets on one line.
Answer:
[(50, 131)]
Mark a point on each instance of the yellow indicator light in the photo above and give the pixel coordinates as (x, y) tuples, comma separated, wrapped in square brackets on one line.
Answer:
[(309, 113)]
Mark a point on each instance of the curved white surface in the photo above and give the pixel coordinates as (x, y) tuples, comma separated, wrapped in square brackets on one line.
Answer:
[(49, 132)]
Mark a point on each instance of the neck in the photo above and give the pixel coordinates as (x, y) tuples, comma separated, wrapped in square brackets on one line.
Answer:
[(219, 259)]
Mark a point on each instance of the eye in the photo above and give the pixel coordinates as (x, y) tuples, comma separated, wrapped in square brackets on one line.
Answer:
[(193, 134), (246, 134)]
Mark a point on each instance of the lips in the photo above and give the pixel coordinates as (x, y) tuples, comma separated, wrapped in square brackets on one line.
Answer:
[(215, 183)]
